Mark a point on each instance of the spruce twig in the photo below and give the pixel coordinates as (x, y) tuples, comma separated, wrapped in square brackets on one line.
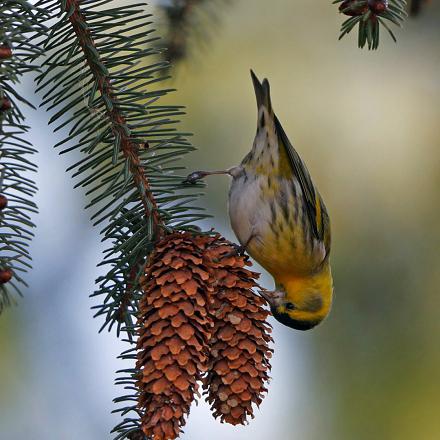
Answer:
[(369, 16), (97, 80), (17, 189), (114, 113)]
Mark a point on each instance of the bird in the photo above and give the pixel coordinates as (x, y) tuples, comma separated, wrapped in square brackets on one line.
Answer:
[(281, 221)]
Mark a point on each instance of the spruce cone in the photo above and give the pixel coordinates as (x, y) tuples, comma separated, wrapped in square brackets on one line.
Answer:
[(174, 333), (5, 52), (239, 360), (5, 104), (353, 7)]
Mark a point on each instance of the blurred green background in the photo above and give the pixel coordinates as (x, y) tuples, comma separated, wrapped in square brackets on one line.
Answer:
[(367, 125)]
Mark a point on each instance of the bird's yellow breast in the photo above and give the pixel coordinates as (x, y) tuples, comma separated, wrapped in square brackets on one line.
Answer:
[(271, 209)]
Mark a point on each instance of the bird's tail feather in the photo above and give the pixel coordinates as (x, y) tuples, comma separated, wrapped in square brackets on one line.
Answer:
[(262, 92)]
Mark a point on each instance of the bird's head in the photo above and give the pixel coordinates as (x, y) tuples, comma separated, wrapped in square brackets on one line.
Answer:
[(301, 303)]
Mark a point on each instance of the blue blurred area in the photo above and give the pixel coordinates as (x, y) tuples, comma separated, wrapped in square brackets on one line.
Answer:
[(367, 126)]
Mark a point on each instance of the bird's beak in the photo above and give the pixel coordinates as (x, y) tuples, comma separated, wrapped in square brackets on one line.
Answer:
[(275, 298)]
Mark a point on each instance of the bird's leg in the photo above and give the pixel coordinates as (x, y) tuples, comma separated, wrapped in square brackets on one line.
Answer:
[(199, 175), (240, 249)]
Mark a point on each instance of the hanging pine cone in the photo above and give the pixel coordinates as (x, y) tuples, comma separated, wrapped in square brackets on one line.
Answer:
[(5, 52), (174, 331), (239, 360), (5, 104), (353, 8), (378, 6), (3, 202), (5, 275)]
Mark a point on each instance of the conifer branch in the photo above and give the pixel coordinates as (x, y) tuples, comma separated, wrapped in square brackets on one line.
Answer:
[(17, 189), (369, 16), (97, 78), (117, 119)]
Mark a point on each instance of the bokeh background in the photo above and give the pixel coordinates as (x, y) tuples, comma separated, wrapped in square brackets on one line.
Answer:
[(367, 124)]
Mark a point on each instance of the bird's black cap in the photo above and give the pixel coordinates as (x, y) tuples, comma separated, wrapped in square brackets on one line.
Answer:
[(297, 324)]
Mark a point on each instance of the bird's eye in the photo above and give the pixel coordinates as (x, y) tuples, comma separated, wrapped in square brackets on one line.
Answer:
[(290, 306)]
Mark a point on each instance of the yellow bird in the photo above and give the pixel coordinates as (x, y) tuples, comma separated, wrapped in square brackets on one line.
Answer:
[(280, 219)]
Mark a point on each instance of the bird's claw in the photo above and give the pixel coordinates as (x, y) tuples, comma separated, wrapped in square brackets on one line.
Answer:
[(195, 176), (237, 251)]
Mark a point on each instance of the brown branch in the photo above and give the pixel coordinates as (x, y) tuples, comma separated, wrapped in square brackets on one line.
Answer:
[(119, 125), (120, 130)]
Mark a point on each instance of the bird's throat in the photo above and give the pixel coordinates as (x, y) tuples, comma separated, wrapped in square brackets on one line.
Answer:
[(299, 288)]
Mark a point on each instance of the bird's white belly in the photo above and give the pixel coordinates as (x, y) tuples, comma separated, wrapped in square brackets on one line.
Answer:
[(249, 214)]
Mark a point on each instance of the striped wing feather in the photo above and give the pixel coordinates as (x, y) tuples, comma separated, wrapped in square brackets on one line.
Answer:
[(314, 206)]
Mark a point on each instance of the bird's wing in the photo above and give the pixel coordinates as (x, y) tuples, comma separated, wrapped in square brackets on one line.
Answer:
[(316, 211), (315, 207)]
